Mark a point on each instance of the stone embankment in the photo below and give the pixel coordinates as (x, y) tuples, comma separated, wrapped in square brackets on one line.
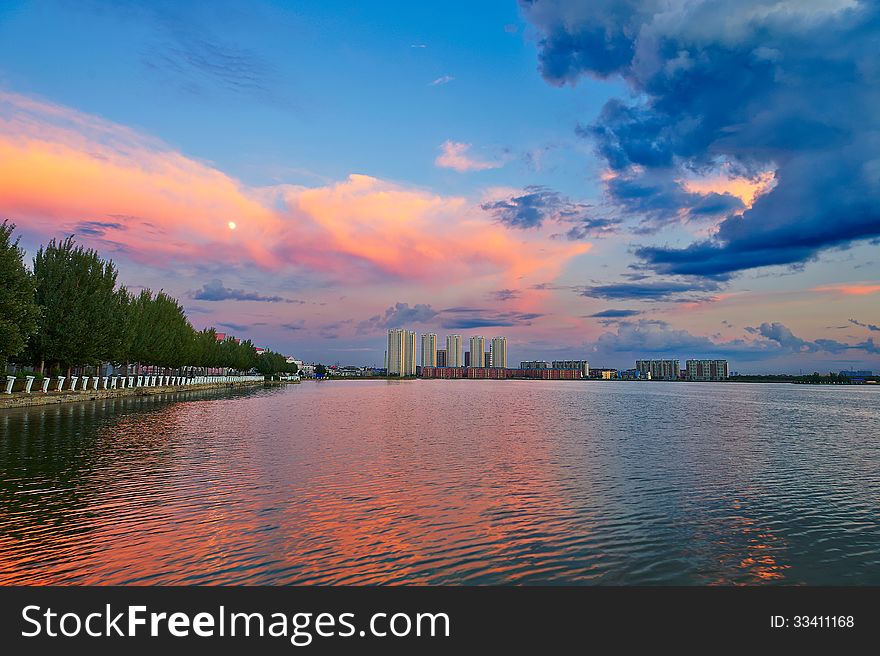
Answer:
[(60, 390)]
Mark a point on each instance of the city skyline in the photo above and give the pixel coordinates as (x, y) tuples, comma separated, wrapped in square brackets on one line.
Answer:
[(553, 188)]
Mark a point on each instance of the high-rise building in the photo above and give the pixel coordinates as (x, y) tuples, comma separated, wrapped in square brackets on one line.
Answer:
[(487, 359), (478, 348), (441, 357), (498, 351), (706, 369), (454, 351), (401, 355), (467, 358), (429, 350), (573, 365), (534, 364), (659, 369)]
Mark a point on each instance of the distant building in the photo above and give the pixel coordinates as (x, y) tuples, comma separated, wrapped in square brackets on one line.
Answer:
[(467, 358), (659, 369), (478, 349), (603, 374), (487, 358), (575, 365), (534, 364), (857, 374), (429, 350), (633, 374), (401, 355), (703, 370), (441, 357), (454, 354), (497, 353)]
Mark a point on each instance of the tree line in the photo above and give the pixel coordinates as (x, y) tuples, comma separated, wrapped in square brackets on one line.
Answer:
[(68, 312)]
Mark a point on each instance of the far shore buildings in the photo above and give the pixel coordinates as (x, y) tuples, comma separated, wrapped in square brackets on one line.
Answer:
[(454, 351), (480, 362), (703, 370), (429, 350), (498, 353), (400, 358), (478, 350), (659, 369)]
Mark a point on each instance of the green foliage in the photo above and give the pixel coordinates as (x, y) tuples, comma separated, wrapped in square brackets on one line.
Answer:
[(75, 316), (320, 370), (271, 363), (19, 312), (76, 292)]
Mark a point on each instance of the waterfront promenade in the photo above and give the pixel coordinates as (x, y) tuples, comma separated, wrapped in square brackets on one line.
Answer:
[(140, 386)]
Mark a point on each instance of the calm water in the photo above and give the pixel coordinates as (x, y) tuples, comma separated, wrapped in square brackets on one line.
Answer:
[(472, 482)]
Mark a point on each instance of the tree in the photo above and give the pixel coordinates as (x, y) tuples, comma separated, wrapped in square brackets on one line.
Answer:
[(19, 312), (320, 370), (76, 292)]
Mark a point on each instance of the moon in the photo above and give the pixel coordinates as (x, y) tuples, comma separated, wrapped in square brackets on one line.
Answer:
[(232, 225)]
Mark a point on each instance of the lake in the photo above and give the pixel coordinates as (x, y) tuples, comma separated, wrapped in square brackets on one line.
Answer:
[(447, 482)]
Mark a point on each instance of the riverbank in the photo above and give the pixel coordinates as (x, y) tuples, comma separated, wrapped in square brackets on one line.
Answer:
[(23, 400)]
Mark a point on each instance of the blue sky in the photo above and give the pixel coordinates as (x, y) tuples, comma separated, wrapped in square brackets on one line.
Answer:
[(513, 168)]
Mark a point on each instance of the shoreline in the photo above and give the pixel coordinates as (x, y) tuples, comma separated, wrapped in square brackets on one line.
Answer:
[(22, 400)]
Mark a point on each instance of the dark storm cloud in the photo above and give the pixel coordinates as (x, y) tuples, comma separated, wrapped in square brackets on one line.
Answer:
[(96, 228), (398, 315), (614, 314), (651, 291), (771, 340), (504, 294), (486, 319), (870, 326), (215, 291), (534, 206), (755, 85)]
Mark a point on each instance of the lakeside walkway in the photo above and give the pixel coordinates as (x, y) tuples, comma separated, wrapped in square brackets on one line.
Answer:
[(104, 391)]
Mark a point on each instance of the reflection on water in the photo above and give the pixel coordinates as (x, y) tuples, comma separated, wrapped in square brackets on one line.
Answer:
[(447, 482)]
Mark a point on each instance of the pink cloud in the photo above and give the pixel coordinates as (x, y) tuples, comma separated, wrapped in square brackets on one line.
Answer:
[(62, 171), (454, 155)]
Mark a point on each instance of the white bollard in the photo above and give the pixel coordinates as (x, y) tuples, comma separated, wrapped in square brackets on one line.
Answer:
[(94, 382), (130, 381), (73, 380), (10, 381), (46, 382), (60, 384), (113, 382), (167, 380), (28, 384), (104, 381), (85, 384), (140, 381)]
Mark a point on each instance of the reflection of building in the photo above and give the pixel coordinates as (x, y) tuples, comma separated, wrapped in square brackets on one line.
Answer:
[(441, 357), (454, 355), (659, 369), (497, 353), (478, 348), (706, 369), (401, 354), (429, 350), (577, 365), (534, 364)]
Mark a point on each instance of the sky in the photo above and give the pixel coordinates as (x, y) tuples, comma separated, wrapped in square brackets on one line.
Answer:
[(595, 180)]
